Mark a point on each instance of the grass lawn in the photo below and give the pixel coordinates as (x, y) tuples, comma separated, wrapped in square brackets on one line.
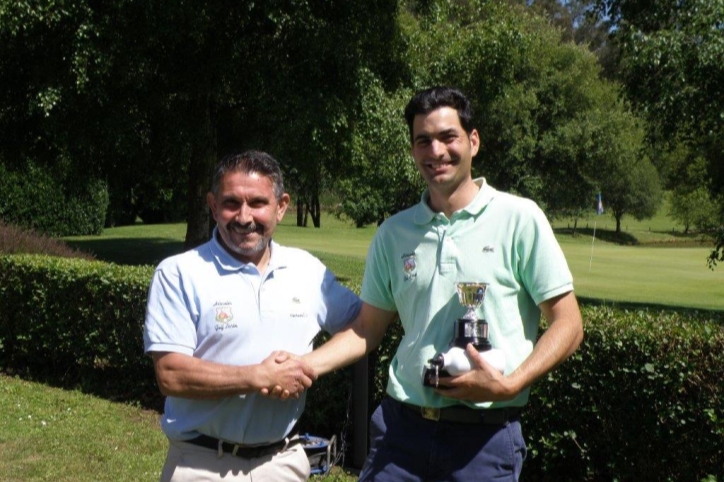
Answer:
[(657, 265), (49, 434)]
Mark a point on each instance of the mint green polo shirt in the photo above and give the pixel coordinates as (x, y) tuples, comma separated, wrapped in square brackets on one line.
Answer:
[(416, 258)]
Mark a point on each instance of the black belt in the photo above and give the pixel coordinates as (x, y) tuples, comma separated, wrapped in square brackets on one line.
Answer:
[(464, 414), (243, 451)]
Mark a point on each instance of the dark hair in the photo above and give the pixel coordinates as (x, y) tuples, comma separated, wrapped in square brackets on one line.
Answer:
[(249, 162), (428, 100)]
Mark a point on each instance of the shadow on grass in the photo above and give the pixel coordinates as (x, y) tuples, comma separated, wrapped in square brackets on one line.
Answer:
[(716, 315), (673, 238), (129, 251), (602, 234)]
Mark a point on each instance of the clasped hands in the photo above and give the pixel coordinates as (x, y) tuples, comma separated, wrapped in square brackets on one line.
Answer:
[(285, 375)]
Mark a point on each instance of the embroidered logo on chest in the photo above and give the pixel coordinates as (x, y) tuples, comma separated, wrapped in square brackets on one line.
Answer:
[(224, 314), (409, 266)]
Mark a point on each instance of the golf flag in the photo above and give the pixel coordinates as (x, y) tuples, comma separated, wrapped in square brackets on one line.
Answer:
[(599, 204)]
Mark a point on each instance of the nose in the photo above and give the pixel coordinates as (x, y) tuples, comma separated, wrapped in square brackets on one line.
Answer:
[(244, 214), (437, 149)]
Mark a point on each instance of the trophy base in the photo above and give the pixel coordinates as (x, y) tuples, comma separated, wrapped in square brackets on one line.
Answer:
[(471, 331), (480, 344), (428, 377)]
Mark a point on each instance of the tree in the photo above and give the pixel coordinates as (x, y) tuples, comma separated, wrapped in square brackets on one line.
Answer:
[(381, 178), (148, 94), (672, 69), (691, 201)]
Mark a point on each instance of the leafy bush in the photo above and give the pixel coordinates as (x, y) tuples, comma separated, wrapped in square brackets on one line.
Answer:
[(76, 323), (33, 198), (642, 399)]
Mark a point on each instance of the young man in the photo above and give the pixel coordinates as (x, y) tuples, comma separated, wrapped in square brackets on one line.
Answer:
[(216, 312), (463, 230)]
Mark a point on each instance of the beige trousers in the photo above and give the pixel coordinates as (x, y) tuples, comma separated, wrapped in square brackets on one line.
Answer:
[(191, 463)]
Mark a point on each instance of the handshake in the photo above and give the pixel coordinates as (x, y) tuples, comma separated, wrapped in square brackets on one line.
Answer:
[(284, 375)]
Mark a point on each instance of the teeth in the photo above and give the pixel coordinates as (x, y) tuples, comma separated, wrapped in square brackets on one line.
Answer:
[(241, 230)]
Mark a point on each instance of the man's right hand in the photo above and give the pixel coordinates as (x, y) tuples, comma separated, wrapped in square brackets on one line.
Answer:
[(288, 376)]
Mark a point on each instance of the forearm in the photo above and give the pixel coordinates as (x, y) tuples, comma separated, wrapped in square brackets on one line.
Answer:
[(189, 377), (341, 350), (361, 337), (560, 340)]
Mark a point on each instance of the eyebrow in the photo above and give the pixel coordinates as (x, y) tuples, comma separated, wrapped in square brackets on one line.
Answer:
[(443, 133)]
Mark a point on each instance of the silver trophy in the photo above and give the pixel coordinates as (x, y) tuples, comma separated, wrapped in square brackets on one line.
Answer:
[(468, 329)]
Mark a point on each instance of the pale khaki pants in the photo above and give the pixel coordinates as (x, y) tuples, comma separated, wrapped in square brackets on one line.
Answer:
[(190, 463)]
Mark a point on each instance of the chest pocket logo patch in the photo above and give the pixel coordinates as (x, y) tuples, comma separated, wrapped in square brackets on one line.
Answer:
[(409, 266), (224, 314)]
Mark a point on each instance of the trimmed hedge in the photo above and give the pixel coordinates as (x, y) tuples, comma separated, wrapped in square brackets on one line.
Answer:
[(642, 399), (75, 323)]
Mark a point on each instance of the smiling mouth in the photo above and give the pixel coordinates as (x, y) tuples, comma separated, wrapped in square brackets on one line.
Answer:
[(438, 165), (244, 230)]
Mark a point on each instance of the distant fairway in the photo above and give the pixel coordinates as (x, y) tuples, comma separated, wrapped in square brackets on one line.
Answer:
[(668, 268), (667, 276)]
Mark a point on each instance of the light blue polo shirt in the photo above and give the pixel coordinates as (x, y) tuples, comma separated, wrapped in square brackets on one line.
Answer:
[(418, 256), (205, 303)]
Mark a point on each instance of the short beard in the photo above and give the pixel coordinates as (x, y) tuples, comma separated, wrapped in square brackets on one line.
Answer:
[(238, 228)]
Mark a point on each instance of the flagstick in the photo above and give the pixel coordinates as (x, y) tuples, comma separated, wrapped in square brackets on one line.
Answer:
[(592, 241)]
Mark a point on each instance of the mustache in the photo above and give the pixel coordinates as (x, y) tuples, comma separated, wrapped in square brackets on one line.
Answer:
[(248, 228)]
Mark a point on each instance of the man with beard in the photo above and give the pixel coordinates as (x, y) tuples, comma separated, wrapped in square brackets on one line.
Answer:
[(214, 315)]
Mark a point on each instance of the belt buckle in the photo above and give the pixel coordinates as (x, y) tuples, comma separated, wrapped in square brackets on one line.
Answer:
[(429, 413)]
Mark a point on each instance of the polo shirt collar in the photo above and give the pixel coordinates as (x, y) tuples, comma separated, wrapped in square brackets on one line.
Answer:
[(424, 215), (229, 263)]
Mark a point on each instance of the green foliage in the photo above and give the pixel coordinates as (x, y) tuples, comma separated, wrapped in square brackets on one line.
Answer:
[(640, 400), (381, 178), (36, 199), (551, 129), (671, 67), (71, 321), (717, 254), (691, 202), (694, 208)]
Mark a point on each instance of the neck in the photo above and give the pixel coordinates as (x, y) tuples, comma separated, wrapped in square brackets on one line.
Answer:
[(448, 202)]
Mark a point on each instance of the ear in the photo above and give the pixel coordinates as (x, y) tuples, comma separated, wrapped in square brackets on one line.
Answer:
[(474, 142), (211, 202), (283, 205)]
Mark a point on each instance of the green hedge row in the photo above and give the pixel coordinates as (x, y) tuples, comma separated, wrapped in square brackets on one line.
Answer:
[(75, 323), (642, 400)]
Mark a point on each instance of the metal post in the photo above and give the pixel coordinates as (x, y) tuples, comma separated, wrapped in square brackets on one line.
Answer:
[(360, 410)]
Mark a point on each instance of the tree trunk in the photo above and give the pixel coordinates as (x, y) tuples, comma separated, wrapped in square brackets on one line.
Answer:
[(203, 159), (300, 213), (315, 210)]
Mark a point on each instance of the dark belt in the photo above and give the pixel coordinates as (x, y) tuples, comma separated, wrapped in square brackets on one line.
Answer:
[(463, 414), (243, 451)]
